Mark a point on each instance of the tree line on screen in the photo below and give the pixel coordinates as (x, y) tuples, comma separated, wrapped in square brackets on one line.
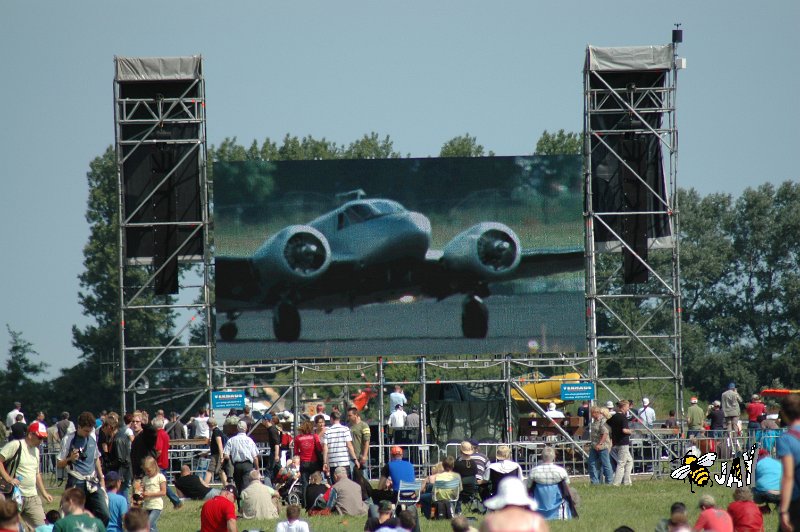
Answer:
[(740, 274)]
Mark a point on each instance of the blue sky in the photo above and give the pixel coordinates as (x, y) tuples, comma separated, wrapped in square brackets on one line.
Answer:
[(420, 71)]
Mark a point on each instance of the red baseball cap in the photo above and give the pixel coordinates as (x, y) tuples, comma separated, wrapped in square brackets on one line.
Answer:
[(396, 451), (38, 428)]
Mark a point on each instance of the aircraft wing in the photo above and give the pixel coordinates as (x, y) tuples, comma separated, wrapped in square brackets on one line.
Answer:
[(541, 262)]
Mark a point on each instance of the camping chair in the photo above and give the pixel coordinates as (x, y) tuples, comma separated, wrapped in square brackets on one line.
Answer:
[(470, 498), (550, 501), (454, 489), (202, 467), (408, 494)]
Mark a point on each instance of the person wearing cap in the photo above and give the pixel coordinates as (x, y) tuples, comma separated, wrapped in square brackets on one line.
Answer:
[(716, 419), (646, 414), (730, 408), (756, 413), (219, 514), (384, 519), (711, 517), (610, 407), (788, 451), (117, 504), (25, 474), (241, 450), (694, 419), (512, 509), (395, 471)]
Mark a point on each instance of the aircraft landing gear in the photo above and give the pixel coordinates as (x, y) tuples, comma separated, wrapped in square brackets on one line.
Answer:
[(474, 318), (286, 322), (228, 331)]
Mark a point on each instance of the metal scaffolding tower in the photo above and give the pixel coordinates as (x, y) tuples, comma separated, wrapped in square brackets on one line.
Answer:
[(633, 292), (160, 142)]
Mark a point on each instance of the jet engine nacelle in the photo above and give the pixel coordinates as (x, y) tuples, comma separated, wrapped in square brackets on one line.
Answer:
[(298, 253), (489, 250)]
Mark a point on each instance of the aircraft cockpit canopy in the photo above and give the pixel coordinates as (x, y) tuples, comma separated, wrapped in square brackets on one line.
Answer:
[(363, 211)]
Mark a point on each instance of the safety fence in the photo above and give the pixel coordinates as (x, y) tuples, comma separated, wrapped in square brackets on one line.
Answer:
[(651, 456)]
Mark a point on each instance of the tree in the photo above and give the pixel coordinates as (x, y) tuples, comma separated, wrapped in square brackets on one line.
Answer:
[(560, 143), (19, 380), (371, 147), (740, 277), (462, 146)]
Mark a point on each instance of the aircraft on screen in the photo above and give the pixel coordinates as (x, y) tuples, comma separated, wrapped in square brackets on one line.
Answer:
[(372, 251)]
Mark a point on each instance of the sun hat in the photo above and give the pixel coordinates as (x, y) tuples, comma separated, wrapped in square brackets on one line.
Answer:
[(466, 448), (511, 492)]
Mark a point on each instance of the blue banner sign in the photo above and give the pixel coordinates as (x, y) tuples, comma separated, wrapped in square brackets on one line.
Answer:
[(227, 399), (583, 391)]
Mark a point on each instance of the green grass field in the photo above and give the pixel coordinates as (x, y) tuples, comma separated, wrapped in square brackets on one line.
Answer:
[(601, 508)]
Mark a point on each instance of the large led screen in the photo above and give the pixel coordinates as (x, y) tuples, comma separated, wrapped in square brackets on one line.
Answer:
[(436, 256)]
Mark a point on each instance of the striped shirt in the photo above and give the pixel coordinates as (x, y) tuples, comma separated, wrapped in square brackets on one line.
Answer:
[(241, 448), (336, 438)]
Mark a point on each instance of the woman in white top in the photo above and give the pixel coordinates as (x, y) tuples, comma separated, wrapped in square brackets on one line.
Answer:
[(502, 468)]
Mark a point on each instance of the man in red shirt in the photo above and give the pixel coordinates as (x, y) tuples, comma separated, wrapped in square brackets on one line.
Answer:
[(744, 512), (219, 514), (162, 458), (711, 517), (755, 408)]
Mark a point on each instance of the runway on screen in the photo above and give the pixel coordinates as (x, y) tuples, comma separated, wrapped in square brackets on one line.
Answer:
[(555, 320)]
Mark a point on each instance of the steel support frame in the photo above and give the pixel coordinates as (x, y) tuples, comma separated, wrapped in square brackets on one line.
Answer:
[(154, 113), (605, 294), (512, 371)]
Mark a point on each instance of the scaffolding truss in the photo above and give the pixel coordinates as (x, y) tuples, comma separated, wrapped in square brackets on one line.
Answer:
[(633, 326), (159, 112)]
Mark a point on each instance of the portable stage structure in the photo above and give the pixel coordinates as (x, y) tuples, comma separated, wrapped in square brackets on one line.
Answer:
[(160, 143), (630, 160)]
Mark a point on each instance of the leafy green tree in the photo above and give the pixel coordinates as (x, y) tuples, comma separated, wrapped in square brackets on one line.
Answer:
[(19, 382), (371, 147), (462, 146), (560, 143)]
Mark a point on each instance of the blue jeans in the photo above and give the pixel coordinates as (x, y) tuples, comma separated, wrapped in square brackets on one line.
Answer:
[(176, 501), (596, 460), (152, 517)]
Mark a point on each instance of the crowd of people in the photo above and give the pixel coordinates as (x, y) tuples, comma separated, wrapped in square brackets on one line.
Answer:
[(115, 472)]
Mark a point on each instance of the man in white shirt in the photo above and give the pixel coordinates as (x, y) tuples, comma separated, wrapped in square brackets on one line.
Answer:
[(397, 397), (647, 414), (11, 418), (397, 421), (201, 424), (241, 450), (552, 413)]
